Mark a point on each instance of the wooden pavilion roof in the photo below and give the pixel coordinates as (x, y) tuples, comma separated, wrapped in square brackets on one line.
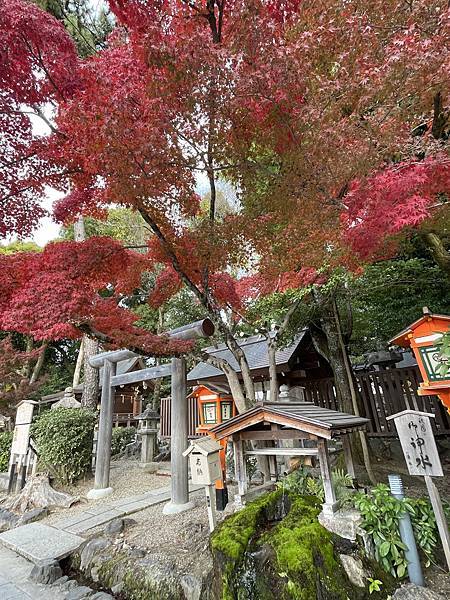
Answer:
[(304, 416)]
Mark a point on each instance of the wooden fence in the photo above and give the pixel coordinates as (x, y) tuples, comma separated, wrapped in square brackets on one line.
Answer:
[(384, 393), (193, 419)]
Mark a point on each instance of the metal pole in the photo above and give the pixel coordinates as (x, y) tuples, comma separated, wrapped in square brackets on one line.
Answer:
[(178, 440), (101, 485), (407, 534)]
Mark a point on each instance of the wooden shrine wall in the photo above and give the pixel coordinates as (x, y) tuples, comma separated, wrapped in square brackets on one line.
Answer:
[(384, 393)]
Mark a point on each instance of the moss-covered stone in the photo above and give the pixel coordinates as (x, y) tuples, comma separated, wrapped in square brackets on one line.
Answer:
[(140, 579), (275, 547)]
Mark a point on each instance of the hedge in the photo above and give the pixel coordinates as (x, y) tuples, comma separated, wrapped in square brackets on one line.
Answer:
[(64, 442), (5, 449), (121, 436)]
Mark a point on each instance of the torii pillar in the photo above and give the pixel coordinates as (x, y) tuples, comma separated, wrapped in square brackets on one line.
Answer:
[(179, 412)]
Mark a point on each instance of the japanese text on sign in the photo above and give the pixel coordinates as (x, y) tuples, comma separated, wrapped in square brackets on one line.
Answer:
[(418, 444)]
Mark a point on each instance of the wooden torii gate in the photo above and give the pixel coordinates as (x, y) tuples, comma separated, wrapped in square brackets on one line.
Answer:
[(179, 409)]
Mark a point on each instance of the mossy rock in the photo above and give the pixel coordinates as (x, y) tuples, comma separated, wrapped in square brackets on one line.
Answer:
[(141, 579), (276, 548)]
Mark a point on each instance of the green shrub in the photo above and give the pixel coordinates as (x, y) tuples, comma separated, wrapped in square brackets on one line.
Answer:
[(381, 513), (64, 442), (121, 436), (303, 483), (5, 449)]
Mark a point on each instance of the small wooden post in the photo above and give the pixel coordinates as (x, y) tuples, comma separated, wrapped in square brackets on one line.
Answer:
[(239, 467), (210, 494), (441, 521), (330, 505), (348, 456)]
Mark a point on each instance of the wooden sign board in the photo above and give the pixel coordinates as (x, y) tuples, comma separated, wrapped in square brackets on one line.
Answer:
[(21, 435), (418, 443)]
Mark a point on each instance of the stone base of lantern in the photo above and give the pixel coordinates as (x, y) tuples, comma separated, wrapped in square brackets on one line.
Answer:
[(149, 467)]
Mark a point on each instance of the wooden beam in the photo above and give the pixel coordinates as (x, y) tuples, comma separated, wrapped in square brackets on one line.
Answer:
[(199, 329), (114, 356), (282, 452), (279, 434), (142, 375)]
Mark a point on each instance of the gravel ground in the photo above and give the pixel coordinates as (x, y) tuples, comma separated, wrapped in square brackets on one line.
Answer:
[(126, 479), (180, 539)]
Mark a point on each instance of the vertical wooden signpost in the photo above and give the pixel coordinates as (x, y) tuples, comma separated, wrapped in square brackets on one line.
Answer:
[(204, 458), (422, 457)]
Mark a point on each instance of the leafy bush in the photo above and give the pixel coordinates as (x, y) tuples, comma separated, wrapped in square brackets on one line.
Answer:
[(303, 483), (5, 448), (381, 513), (64, 442), (121, 436)]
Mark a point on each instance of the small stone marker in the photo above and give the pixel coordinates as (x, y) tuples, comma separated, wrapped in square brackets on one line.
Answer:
[(20, 445), (37, 542), (422, 458)]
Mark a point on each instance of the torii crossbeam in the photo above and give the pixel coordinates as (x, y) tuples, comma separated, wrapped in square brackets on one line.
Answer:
[(179, 410)]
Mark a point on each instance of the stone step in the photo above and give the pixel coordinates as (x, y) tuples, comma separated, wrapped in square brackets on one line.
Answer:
[(37, 542)]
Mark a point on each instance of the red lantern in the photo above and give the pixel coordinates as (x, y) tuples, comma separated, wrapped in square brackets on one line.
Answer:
[(423, 336)]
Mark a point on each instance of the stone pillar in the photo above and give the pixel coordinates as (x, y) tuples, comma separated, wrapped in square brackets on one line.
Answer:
[(101, 485), (148, 449), (179, 440)]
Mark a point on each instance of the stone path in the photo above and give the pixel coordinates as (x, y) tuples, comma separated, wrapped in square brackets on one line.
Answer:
[(14, 584), (38, 541), (103, 512)]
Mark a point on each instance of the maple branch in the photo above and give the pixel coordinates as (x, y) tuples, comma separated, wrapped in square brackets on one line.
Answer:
[(40, 61)]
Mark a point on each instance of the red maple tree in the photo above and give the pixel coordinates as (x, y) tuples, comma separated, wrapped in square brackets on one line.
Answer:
[(296, 103)]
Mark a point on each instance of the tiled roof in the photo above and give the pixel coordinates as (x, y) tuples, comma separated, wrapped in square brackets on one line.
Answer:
[(301, 413), (255, 350)]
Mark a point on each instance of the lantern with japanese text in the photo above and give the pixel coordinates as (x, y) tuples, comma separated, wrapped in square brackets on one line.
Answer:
[(424, 336), (215, 405)]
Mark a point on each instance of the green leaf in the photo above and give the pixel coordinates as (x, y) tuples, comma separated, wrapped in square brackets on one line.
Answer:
[(401, 570), (384, 549)]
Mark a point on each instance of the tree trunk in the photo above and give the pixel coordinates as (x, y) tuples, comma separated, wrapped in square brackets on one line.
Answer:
[(273, 376), (89, 398), (89, 346), (39, 364), (354, 394), (77, 372), (329, 342), (156, 399), (38, 493), (438, 251)]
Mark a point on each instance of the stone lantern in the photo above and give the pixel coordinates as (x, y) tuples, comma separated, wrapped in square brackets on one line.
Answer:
[(148, 432), (67, 401)]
